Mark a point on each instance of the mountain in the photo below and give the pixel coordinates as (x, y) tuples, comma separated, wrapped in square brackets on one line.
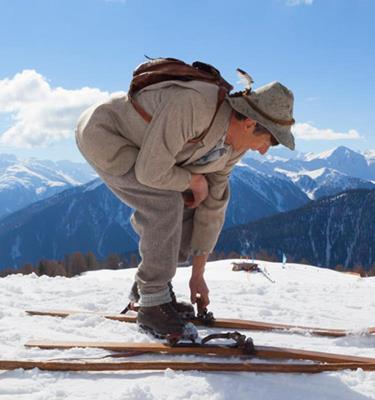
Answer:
[(91, 218), (85, 218), (23, 182), (323, 174), (325, 181), (370, 157), (342, 159), (327, 232), (257, 194)]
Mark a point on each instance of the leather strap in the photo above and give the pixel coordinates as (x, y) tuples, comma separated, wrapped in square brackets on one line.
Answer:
[(144, 114), (220, 98), (147, 117)]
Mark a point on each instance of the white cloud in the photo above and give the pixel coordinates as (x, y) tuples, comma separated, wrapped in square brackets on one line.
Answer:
[(41, 115), (299, 2), (306, 131)]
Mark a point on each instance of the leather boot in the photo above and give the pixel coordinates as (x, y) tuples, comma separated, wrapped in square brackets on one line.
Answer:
[(184, 309), (163, 321)]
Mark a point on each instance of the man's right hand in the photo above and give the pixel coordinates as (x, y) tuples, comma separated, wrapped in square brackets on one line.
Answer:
[(199, 289), (199, 188)]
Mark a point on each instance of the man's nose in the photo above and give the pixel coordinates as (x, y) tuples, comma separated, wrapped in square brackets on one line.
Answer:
[(263, 150)]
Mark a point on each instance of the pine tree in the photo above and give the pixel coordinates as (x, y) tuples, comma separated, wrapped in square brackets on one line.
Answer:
[(42, 267), (263, 255), (76, 264), (27, 269), (91, 261), (233, 254), (340, 268), (371, 271), (134, 261), (60, 269), (358, 269), (113, 261)]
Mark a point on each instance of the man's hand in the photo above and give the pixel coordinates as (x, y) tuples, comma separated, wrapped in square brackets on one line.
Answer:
[(199, 189), (197, 283), (198, 288)]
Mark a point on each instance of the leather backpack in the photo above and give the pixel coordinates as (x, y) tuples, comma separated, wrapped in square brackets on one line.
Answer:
[(167, 69)]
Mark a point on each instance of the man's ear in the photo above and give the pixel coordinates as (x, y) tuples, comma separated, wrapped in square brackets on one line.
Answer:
[(250, 123)]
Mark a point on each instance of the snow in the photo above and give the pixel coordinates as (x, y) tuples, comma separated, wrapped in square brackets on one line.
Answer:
[(369, 155), (323, 155), (68, 179), (92, 186), (313, 174), (15, 251), (317, 173), (302, 295)]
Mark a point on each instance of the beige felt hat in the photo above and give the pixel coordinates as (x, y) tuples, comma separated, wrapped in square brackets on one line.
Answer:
[(270, 105)]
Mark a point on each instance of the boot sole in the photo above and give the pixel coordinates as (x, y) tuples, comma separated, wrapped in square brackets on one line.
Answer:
[(172, 338)]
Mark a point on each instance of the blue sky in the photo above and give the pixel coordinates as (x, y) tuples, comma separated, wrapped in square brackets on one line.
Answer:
[(60, 56)]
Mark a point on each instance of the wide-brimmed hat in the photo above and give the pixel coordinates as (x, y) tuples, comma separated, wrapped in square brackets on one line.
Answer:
[(270, 105)]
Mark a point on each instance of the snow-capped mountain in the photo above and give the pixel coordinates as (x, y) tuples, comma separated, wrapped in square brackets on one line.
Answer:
[(84, 218), (322, 174), (325, 182), (23, 182), (256, 194), (91, 218), (259, 188), (328, 232), (370, 157)]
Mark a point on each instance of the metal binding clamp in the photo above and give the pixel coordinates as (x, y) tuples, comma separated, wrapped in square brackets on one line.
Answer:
[(240, 341), (203, 315)]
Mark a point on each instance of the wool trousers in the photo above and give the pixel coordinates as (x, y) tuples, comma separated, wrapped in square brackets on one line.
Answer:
[(164, 226)]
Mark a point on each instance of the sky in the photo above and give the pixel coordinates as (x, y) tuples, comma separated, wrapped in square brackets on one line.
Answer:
[(58, 57)]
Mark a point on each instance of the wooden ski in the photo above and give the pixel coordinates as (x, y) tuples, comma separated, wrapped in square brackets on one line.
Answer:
[(218, 323), (205, 349), (50, 365)]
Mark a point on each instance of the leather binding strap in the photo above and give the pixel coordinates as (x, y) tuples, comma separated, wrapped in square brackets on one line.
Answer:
[(147, 117)]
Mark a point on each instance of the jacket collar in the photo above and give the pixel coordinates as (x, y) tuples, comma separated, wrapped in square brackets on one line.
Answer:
[(218, 129)]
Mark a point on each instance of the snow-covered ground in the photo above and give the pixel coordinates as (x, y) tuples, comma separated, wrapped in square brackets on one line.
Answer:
[(300, 295)]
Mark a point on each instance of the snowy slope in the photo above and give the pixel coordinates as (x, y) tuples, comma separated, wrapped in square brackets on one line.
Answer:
[(301, 295)]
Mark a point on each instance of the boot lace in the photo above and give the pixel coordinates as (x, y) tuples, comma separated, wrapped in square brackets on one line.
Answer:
[(172, 293)]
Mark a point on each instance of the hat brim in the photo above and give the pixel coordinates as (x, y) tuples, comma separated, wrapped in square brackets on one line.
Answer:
[(282, 134)]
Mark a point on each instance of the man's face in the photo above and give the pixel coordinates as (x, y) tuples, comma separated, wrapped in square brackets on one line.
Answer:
[(246, 139)]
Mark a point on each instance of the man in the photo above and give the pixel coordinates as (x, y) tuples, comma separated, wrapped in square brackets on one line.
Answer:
[(177, 184)]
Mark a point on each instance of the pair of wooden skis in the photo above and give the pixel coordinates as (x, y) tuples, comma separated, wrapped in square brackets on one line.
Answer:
[(262, 359)]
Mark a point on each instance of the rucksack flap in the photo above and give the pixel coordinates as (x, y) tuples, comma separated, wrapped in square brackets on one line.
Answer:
[(166, 69)]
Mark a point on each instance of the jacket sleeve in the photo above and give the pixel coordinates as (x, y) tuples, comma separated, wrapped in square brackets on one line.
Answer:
[(210, 215), (178, 119)]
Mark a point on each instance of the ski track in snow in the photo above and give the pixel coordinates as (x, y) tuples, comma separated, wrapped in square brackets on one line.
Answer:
[(302, 295)]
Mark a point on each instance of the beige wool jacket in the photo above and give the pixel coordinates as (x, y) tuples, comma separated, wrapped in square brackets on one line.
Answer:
[(115, 138)]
